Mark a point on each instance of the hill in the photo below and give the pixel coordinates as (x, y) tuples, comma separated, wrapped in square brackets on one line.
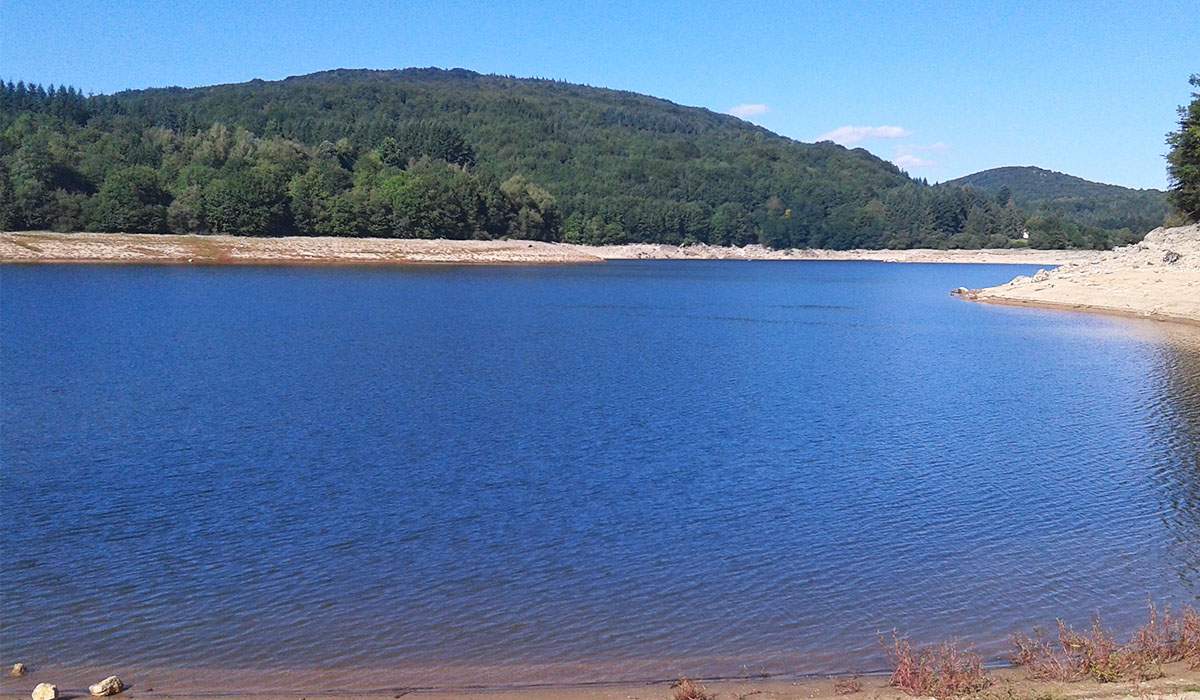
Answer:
[(1052, 199), (452, 153)]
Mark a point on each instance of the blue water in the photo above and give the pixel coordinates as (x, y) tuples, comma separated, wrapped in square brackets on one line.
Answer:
[(631, 469)]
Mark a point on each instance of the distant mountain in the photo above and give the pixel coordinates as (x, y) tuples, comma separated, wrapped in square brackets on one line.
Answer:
[(1053, 195), (456, 154)]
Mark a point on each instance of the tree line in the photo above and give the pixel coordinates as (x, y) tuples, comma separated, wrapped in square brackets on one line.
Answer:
[(61, 172), (425, 153)]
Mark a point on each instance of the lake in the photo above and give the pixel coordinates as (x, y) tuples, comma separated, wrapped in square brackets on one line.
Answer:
[(626, 470)]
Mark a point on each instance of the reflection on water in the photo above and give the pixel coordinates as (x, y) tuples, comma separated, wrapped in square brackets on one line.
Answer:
[(1176, 368), (631, 470)]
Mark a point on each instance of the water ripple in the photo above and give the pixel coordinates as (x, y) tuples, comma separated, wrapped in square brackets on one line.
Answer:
[(621, 471)]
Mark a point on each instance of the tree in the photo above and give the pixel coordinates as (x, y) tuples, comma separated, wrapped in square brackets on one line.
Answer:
[(536, 211), (132, 201), (1184, 159), (312, 195), (247, 203), (426, 140)]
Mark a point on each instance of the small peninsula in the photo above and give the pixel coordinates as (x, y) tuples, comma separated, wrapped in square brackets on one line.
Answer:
[(1158, 278)]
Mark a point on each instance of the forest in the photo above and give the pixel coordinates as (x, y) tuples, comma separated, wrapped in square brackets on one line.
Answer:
[(430, 153)]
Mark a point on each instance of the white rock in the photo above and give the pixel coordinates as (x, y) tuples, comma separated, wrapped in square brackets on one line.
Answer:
[(109, 686), (45, 691), (17, 670)]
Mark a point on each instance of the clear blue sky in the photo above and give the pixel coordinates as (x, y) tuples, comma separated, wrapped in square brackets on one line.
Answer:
[(1088, 88)]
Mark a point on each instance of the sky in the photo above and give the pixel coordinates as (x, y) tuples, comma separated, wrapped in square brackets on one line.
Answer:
[(942, 89)]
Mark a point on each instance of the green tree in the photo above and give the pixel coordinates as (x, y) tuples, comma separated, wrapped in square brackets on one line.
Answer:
[(536, 211), (131, 200), (31, 171), (1184, 159), (312, 195), (247, 203)]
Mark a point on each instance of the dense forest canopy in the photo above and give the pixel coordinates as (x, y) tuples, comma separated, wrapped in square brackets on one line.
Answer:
[(433, 153), (1056, 201)]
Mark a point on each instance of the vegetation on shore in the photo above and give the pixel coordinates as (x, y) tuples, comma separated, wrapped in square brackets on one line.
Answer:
[(1047, 660), (423, 153), (1184, 159), (948, 671), (1066, 209)]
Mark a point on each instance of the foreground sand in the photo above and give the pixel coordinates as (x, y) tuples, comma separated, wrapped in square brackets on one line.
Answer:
[(1008, 684), (1158, 278), (46, 247)]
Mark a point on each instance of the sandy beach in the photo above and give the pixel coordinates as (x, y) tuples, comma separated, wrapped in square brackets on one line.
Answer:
[(1007, 684), (116, 248), (1158, 278)]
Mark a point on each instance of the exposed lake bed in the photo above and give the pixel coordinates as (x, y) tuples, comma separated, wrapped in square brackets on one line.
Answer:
[(146, 249), (1157, 278), (185, 684)]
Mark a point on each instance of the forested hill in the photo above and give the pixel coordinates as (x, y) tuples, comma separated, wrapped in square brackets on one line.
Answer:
[(436, 153), (1057, 198)]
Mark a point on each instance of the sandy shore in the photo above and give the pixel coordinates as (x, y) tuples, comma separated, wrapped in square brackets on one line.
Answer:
[(44, 247), (1026, 256), (115, 248), (1158, 278), (1007, 684)]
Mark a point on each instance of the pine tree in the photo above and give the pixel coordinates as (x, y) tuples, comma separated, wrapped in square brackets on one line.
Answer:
[(1184, 159)]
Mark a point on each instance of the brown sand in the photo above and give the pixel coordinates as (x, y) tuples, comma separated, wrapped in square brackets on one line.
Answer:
[(1008, 684), (1158, 278), (115, 248), (43, 247)]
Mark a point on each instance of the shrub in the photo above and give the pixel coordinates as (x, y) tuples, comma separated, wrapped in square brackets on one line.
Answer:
[(847, 686), (1095, 654), (942, 670), (689, 690), (1189, 637)]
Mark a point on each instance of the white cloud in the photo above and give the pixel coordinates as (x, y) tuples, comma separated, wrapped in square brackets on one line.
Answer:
[(743, 111), (911, 156), (853, 134), (907, 161)]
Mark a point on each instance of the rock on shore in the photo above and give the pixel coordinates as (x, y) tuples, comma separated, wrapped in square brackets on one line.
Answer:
[(109, 686), (1157, 278)]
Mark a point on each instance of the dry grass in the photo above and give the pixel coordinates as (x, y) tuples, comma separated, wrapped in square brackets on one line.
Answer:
[(942, 670), (689, 690), (1095, 654), (1189, 637), (1008, 691), (847, 686)]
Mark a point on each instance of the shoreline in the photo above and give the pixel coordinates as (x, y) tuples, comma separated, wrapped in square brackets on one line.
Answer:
[(48, 248), (1098, 309), (1157, 279), (1008, 683)]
